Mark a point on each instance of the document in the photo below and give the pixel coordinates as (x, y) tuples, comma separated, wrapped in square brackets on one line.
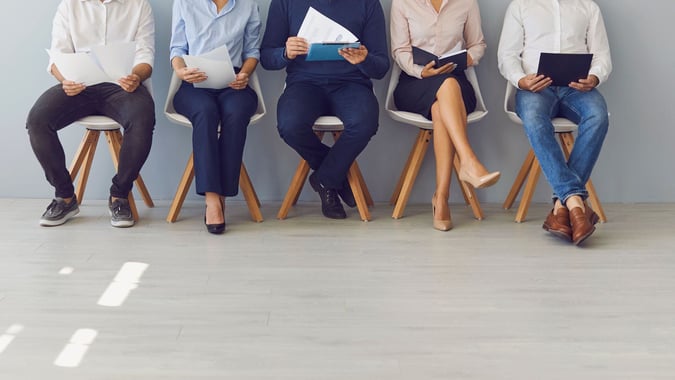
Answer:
[(456, 56), (563, 68), (106, 63), (325, 36), (216, 64)]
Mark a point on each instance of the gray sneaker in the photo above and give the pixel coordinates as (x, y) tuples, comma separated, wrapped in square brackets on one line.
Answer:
[(59, 211), (120, 213)]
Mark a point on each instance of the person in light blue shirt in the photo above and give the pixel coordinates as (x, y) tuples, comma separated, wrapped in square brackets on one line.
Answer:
[(219, 117)]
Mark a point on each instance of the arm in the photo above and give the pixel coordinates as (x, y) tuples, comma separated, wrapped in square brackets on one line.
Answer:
[(63, 42), (401, 46), (511, 45), (374, 41), (473, 36), (145, 51), (598, 44), (273, 46)]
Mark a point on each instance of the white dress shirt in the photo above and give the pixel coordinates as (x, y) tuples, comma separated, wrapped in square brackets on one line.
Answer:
[(551, 26), (81, 24)]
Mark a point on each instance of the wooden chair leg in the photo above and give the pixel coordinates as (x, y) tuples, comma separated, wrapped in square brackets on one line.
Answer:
[(406, 168), (250, 195), (181, 192), (567, 141), (359, 195), (520, 180), (140, 184), (530, 187), (82, 161), (362, 184), (114, 145), (468, 191), (294, 189), (411, 170)]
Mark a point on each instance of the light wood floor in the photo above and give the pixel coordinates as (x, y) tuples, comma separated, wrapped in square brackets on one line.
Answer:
[(311, 299)]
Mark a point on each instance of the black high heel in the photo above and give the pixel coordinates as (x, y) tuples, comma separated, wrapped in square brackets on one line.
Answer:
[(219, 228)]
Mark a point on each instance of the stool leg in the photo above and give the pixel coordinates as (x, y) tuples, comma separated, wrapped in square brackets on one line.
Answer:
[(411, 170), (294, 189), (406, 168), (530, 187), (250, 195), (362, 184), (181, 192), (83, 160), (520, 179), (359, 196), (140, 184)]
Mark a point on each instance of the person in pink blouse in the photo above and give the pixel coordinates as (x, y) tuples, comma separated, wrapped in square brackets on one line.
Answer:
[(441, 94)]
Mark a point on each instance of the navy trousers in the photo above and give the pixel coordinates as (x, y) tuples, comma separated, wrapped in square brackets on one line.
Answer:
[(55, 110), (219, 121), (303, 102)]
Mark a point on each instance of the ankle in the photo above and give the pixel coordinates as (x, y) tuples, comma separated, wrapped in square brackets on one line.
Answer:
[(574, 202)]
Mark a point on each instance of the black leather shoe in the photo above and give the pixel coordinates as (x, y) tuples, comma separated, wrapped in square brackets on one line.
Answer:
[(346, 194), (216, 229), (331, 207)]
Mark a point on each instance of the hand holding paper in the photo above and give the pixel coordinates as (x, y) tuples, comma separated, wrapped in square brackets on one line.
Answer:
[(216, 65), (106, 63), (328, 39)]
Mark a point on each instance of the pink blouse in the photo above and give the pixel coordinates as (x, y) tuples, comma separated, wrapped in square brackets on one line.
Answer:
[(416, 23)]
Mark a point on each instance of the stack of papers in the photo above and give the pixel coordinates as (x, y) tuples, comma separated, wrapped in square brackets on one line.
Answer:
[(216, 64), (106, 63), (326, 37)]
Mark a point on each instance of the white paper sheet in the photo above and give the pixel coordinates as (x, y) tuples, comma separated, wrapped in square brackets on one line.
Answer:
[(216, 64), (317, 28), (103, 64)]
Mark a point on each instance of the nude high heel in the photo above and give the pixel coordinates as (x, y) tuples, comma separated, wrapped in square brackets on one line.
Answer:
[(479, 182), (441, 225)]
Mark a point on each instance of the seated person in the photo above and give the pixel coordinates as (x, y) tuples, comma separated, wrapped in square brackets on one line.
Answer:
[(79, 26), (315, 88), (574, 26), (441, 94), (219, 117)]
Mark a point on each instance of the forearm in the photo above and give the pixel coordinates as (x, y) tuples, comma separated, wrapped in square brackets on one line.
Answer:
[(56, 73), (249, 66), (143, 70)]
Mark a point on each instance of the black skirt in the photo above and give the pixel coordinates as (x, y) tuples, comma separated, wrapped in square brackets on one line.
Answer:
[(418, 95)]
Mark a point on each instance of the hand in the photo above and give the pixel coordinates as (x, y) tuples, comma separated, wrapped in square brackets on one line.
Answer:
[(130, 82), (587, 84), (296, 46), (354, 55), (191, 74), (469, 60), (71, 88), (430, 71), (240, 81), (534, 82)]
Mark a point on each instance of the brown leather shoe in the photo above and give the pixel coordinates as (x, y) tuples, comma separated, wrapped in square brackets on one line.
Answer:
[(591, 215), (559, 224), (582, 227)]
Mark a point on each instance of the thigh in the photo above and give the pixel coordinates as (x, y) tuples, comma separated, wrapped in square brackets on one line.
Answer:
[(355, 104), (239, 104), (578, 105), (536, 105), (127, 108), (193, 102), (300, 105), (59, 110)]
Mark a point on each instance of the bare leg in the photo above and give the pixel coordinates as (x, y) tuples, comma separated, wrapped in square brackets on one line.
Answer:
[(214, 212), (453, 118), (444, 152)]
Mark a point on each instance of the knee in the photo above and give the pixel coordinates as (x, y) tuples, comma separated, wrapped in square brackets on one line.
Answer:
[(449, 87)]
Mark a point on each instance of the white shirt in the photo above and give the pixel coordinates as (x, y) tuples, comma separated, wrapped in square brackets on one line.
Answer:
[(81, 24), (552, 26)]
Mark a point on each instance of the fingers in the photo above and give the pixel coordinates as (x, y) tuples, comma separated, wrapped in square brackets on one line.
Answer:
[(193, 75), (354, 55), (296, 46), (71, 88), (539, 82), (130, 83), (240, 82)]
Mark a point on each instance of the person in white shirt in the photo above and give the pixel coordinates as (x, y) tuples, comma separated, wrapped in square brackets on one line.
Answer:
[(78, 26), (559, 26)]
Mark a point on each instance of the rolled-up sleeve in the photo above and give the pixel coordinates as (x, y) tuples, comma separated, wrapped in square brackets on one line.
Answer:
[(252, 35), (145, 37), (401, 48), (511, 46), (473, 34), (598, 44), (62, 41), (178, 46)]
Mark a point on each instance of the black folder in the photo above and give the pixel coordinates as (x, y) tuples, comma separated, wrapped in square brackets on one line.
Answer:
[(564, 69), (422, 57)]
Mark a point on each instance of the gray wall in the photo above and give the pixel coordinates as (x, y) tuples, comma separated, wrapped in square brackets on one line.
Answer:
[(635, 165)]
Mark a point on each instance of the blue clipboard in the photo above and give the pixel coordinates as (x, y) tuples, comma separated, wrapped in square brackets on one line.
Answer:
[(328, 51)]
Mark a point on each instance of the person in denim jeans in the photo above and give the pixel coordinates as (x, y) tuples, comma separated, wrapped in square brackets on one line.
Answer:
[(571, 26)]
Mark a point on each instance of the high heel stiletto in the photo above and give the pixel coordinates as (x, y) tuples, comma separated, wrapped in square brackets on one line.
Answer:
[(441, 225), (217, 228), (479, 182)]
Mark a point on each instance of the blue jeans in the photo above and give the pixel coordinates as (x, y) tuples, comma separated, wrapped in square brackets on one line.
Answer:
[(588, 110), (303, 102)]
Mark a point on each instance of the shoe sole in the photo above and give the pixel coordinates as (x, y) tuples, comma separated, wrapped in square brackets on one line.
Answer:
[(54, 223), (558, 234), (581, 239), (121, 223)]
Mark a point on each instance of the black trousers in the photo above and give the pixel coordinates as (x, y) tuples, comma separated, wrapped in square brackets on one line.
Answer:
[(55, 110)]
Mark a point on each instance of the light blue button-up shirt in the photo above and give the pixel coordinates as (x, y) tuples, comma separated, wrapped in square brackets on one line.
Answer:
[(198, 28)]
